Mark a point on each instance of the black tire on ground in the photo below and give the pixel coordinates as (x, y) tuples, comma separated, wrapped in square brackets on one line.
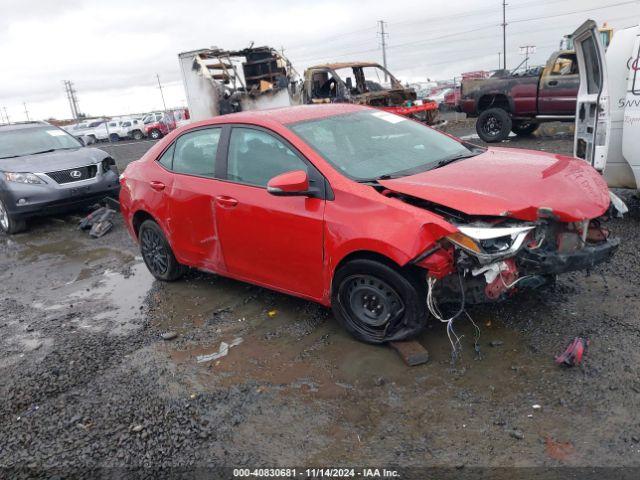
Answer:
[(155, 134), (524, 128), (157, 254), (493, 125), (137, 135), (114, 137), (377, 302), (9, 224)]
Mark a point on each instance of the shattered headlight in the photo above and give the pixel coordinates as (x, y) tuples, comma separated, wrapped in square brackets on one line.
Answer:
[(21, 177), (489, 244)]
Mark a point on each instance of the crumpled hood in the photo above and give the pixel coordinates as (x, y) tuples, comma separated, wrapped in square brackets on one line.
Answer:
[(50, 162), (514, 183)]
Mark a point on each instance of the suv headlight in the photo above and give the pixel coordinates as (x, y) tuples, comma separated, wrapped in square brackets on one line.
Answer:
[(489, 244), (21, 178)]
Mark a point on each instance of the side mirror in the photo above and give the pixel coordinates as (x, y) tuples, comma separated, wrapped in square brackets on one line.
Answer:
[(290, 184)]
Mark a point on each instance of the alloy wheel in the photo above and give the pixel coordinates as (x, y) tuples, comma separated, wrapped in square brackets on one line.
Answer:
[(154, 252), (4, 217), (492, 126)]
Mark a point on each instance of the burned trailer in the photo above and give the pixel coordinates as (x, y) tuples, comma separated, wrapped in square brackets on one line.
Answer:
[(365, 83), (219, 81)]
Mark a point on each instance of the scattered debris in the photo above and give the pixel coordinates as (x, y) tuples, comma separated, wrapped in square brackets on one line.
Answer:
[(97, 222), (272, 313), (536, 406), (517, 434), (572, 356), (412, 352), (496, 343), (169, 335), (222, 351), (137, 428)]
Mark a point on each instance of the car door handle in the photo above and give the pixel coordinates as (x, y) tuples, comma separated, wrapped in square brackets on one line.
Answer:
[(553, 83), (157, 185), (226, 201)]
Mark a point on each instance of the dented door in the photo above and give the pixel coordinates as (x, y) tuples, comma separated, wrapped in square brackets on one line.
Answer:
[(592, 108)]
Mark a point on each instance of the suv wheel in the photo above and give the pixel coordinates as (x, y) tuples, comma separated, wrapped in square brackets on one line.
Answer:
[(493, 125), (155, 134), (137, 135), (114, 137), (378, 303), (9, 224), (157, 253)]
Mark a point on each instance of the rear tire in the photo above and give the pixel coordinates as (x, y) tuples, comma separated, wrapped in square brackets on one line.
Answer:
[(377, 302), (157, 254), (137, 135), (114, 137), (493, 125), (155, 134), (524, 128), (8, 223)]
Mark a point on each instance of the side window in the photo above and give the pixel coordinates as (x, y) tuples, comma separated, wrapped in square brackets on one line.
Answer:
[(195, 152), (255, 157), (167, 157), (126, 124), (565, 66)]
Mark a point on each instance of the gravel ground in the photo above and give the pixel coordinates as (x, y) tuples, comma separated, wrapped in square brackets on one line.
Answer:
[(89, 383)]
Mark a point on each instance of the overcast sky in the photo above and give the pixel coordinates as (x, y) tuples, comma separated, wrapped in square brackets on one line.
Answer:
[(112, 49)]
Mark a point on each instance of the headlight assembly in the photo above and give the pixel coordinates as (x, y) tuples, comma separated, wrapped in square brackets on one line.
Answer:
[(22, 178), (489, 244)]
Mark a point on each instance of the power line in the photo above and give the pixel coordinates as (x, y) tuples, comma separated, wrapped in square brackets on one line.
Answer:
[(574, 12)]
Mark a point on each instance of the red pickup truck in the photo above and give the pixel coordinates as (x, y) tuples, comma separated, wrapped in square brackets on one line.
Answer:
[(519, 102)]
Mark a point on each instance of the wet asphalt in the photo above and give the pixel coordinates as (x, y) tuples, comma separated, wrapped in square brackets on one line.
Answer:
[(88, 381)]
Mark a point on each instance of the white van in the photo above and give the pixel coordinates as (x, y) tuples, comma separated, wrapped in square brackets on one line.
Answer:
[(608, 104)]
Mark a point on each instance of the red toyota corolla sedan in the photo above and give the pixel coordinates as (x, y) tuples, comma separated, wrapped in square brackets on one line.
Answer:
[(380, 217)]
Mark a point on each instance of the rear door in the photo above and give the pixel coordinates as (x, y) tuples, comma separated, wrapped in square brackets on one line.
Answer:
[(271, 240), (192, 194), (593, 123)]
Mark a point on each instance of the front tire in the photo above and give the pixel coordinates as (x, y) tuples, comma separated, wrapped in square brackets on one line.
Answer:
[(377, 302), (8, 223), (155, 134), (493, 125), (157, 254), (137, 135), (114, 137)]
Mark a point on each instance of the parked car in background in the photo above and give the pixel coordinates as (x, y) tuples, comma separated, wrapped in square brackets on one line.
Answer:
[(159, 127), (378, 216), (519, 102), (85, 130), (45, 170)]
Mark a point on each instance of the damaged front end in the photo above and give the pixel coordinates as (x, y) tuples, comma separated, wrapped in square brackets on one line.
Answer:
[(492, 258)]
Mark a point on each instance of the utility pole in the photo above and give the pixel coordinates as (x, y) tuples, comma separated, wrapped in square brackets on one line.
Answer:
[(6, 115), (383, 38), (504, 34), (26, 112), (499, 63), (73, 100), (161, 94)]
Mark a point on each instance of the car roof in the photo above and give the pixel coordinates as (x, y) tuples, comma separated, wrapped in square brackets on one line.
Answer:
[(288, 115), (339, 65)]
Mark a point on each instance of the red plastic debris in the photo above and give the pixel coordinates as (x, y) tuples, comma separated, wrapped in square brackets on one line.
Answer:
[(572, 356)]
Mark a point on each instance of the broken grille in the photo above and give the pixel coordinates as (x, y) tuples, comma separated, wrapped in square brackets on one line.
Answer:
[(74, 174)]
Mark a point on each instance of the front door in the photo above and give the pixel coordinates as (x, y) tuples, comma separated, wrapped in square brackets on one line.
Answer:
[(593, 124), (271, 240), (559, 86)]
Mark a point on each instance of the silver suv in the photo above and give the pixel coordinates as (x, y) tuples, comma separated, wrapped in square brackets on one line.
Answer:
[(44, 170)]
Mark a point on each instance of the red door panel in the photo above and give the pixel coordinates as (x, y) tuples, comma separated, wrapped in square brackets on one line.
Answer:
[(272, 240), (193, 222)]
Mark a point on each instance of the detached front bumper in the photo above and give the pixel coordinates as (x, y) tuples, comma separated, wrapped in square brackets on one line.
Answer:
[(537, 262)]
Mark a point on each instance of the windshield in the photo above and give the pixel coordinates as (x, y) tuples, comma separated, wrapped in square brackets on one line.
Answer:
[(368, 145), (26, 141)]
